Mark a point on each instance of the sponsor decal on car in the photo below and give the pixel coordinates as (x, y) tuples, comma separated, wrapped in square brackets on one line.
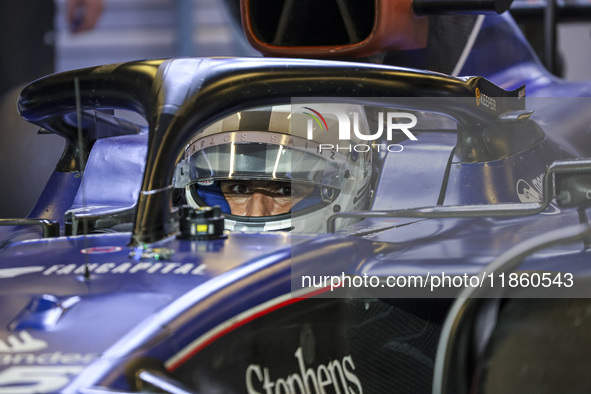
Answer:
[(485, 100), (37, 379), (335, 376), (22, 348), (127, 268), (533, 192), (18, 271), (108, 268), (102, 250), (32, 372), (52, 358), (21, 342)]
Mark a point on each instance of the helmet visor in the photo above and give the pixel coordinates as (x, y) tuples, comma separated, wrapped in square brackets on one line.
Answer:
[(258, 160)]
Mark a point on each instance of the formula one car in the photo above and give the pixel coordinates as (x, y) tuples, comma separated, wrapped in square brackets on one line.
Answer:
[(416, 252)]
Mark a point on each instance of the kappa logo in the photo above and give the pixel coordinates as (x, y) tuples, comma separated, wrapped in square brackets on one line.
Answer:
[(534, 193), (22, 343)]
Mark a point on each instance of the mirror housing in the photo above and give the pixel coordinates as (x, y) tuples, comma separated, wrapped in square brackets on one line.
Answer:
[(348, 28), (338, 29)]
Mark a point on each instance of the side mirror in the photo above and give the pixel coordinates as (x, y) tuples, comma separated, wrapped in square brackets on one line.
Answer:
[(347, 28), (332, 28)]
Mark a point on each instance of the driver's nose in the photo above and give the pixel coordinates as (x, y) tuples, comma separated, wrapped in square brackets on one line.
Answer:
[(260, 204)]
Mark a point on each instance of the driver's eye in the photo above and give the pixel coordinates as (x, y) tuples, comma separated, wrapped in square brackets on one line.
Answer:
[(284, 190), (239, 189)]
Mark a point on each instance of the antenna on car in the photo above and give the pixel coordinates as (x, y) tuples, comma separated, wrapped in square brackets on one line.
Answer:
[(82, 163)]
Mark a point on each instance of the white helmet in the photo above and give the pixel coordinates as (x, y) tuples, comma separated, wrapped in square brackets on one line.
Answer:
[(294, 145)]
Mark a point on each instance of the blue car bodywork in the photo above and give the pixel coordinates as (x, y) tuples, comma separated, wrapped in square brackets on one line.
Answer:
[(139, 309)]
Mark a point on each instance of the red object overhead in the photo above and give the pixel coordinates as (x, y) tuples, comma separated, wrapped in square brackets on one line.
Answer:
[(395, 27)]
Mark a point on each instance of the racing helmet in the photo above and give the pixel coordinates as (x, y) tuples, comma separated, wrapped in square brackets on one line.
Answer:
[(290, 151)]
